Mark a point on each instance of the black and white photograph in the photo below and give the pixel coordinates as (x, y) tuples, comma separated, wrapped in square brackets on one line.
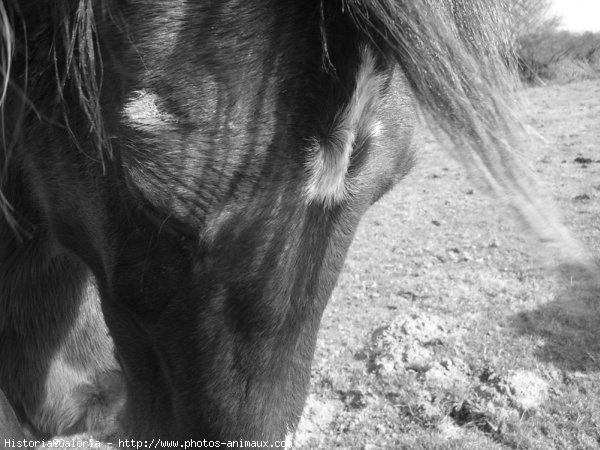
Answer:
[(300, 224)]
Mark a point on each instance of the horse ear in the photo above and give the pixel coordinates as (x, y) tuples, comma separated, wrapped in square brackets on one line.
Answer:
[(9, 425)]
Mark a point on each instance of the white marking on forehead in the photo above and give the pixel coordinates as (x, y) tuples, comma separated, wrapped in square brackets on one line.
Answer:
[(143, 109), (329, 158)]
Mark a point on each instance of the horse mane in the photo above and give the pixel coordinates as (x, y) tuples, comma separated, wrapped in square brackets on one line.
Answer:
[(458, 58), (454, 54)]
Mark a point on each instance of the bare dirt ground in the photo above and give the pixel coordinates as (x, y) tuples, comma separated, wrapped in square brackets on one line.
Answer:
[(447, 330)]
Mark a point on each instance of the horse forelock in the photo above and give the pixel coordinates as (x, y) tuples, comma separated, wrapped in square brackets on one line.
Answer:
[(47, 48), (6, 54)]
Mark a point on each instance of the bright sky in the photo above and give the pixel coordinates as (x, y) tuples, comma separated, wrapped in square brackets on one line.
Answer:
[(578, 15)]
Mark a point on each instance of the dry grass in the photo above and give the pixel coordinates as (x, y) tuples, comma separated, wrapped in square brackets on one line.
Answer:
[(446, 330), (568, 71)]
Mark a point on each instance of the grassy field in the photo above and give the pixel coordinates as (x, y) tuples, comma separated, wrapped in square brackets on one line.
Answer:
[(447, 329)]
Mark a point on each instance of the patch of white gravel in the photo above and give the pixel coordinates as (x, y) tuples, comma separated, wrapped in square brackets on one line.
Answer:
[(528, 390), (404, 343)]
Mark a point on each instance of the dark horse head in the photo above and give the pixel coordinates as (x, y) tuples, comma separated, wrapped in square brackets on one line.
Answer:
[(181, 182)]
